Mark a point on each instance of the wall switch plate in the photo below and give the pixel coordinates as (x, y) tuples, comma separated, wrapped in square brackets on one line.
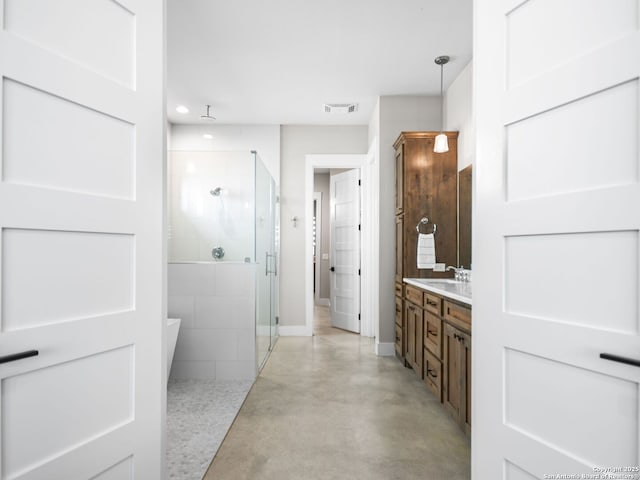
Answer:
[(438, 267), (325, 256)]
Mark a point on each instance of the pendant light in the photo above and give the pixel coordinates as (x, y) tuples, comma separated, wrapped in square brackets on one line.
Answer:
[(441, 144)]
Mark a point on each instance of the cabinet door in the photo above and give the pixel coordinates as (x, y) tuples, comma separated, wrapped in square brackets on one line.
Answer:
[(415, 344), (410, 318), (419, 348), (465, 352), (399, 329), (399, 179), (399, 248), (451, 388), (456, 389)]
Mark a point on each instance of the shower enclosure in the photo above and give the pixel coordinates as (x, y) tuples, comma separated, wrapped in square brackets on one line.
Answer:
[(223, 263)]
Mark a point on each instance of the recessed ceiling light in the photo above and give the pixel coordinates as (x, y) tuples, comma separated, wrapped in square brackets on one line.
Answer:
[(182, 109), (208, 136)]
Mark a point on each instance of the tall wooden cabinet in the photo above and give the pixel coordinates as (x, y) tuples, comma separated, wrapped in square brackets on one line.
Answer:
[(426, 186)]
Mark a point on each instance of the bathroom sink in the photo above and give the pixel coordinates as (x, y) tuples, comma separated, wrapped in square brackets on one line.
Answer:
[(448, 287)]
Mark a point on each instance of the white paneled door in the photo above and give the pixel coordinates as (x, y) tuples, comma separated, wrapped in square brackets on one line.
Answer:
[(81, 218), (344, 194), (556, 255)]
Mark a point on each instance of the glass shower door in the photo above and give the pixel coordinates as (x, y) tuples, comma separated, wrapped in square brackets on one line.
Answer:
[(265, 222)]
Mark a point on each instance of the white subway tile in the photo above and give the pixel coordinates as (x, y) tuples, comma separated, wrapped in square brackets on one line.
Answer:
[(181, 279), (240, 370), (235, 279), (182, 370), (182, 307), (247, 345), (223, 312)]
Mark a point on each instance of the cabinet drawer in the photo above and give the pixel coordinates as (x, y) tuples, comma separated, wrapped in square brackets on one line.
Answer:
[(398, 289), (414, 295), (433, 374), (457, 315), (399, 340), (433, 303), (433, 334), (399, 311)]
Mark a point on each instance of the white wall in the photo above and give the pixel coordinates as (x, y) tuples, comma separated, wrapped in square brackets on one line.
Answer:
[(395, 114), (264, 139), (296, 142), (459, 116)]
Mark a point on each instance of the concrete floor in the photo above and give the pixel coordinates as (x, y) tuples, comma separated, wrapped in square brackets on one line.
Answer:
[(325, 407)]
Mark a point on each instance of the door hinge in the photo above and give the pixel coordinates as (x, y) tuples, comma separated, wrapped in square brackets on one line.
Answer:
[(358, 316), (277, 320), (359, 272), (359, 226), (359, 182)]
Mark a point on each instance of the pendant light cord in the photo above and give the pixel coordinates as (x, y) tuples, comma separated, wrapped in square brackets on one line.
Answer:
[(441, 98)]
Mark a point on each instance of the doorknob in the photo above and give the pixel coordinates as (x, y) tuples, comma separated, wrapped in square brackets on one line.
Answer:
[(333, 269), (18, 356)]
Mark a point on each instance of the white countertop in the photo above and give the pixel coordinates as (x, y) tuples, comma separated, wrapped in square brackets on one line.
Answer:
[(446, 287)]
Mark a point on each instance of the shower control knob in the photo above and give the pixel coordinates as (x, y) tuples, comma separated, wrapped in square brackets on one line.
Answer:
[(333, 269), (217, 253)]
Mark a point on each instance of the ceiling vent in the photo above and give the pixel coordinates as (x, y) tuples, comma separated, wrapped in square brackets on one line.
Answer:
[(340, 107)]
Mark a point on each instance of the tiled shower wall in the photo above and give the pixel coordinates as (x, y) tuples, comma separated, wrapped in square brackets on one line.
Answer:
[(216, 302)]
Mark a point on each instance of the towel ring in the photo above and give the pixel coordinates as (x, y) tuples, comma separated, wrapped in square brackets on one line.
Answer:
[(424, 221)]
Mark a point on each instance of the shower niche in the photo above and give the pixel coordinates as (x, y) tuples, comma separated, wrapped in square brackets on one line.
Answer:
[(222, 248)]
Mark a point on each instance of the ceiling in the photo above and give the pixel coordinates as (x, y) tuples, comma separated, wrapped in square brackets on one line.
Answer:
[(280, 61)]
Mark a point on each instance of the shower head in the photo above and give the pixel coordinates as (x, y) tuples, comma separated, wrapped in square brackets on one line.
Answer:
[(216, 191), (207, 116)]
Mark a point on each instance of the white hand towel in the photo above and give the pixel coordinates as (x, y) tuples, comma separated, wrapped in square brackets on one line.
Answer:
[(426, 255)]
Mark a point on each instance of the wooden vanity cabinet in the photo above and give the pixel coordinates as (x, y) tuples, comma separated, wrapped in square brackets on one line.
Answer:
[(456, 376)]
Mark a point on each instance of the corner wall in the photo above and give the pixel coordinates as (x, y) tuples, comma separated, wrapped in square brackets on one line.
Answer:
[(459, 114), (395, 114)]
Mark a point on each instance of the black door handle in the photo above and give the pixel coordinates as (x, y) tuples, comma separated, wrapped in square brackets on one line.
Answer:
[(333, 269), (617, 358), (18, 356)]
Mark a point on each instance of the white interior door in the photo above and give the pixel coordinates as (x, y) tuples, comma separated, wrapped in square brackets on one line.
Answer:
[(81, 221), (556, 239), (344, 194)]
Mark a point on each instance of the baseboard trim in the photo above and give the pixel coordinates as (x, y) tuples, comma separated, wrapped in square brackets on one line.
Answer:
[(324, 302), (385, 349), (294, 331)]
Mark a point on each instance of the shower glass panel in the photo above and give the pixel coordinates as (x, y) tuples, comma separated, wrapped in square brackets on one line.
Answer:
[(223, 209), (266, 252)]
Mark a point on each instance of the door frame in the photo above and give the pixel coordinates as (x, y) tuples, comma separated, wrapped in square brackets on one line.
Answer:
[(369, 255), (317, 198)]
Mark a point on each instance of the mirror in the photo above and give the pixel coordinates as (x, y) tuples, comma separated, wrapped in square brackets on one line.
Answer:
[(465, 178)]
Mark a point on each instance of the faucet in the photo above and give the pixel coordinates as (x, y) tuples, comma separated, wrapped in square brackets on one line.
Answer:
[(459, 273)]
